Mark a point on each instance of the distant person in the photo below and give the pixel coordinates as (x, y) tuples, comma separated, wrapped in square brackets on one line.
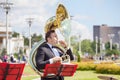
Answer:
[(113, 57), (5, 58), (24, 58), (12, 59)]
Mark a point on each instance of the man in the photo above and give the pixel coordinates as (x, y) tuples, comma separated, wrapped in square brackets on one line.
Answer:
[(46, 54)]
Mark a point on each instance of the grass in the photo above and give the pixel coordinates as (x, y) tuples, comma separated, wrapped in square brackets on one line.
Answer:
[(29, 74), (30, 77), (88, 75)]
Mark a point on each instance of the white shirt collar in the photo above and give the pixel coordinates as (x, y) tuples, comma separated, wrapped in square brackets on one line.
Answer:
[(49, 45)]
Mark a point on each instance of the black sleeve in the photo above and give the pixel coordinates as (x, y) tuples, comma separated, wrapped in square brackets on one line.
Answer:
[(69, 52), (39, 58)]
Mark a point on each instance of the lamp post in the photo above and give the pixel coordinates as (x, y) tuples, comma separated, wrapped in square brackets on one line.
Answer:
[(119, 39), (69, 36), (100, 45), (96, 40), (79, 43), (110, 37), (7, 8), (29, 20), (23, 35)]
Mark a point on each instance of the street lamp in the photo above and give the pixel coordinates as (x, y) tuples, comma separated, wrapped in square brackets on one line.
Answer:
[(119, 38), (7, 8), (79, 43), (100, 45), (23, 35), (110, 37), (69, 36), (96, 40), (29, 20)]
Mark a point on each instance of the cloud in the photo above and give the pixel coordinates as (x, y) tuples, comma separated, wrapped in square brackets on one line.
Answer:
[(80, 29), (76, 30), (39, 10), (82, 17)]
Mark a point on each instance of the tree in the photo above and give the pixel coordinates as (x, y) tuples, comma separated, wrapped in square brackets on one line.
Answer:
[(2, 53), (26, 41), (75, 47), (93, 46), (75, 44), (113, 51), (86, 46), (107, 46), (15, 34), (36, 38)]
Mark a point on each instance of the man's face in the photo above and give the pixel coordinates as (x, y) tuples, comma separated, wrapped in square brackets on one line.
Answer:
[(53, 39)]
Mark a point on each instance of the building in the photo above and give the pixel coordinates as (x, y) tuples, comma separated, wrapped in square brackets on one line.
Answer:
[(105, 33), (3, 35), (14, 44)]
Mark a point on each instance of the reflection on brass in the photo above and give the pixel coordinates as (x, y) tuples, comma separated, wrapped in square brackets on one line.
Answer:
[(61, 14), (55, 21)]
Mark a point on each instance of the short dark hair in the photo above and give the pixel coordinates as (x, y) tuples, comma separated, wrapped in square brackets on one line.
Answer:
[(48, 34)]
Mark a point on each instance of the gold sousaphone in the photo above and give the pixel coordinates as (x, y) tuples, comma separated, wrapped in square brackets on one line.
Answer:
[(55, 21), (51, 24)]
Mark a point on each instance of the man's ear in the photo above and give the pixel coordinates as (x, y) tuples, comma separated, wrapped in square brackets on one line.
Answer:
[(48, 38)]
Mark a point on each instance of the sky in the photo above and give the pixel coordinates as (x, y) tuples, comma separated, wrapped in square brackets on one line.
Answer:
[(85, 14)]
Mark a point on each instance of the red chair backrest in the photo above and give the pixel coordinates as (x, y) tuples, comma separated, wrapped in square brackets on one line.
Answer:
[(11, 71), (2, 70)]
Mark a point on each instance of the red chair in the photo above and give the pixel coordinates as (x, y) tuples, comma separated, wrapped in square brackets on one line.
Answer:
[(2, 70), (11, 71), (60, 69)]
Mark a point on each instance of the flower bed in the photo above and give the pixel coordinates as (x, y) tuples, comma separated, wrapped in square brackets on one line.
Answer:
[(103, 67)]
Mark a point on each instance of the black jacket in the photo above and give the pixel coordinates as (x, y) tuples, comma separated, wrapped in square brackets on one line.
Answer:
[(44, 53)]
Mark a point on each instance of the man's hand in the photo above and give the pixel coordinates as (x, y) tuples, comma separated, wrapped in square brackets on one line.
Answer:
[(57, 59), (63, 44)]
